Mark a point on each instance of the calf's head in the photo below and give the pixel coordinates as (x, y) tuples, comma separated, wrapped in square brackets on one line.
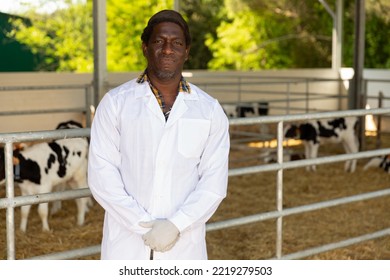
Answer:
[(69, 124), (15, 161), (292, 131)]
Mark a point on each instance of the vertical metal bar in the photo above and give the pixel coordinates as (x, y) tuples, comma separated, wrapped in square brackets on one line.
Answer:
[(279, 192), (362, 128), (88, 104), (339, 38), (307, 96), (339, 95), (358, 58), (99, 50), (239, 90), (176, 5), (335, 66), (288, 99), (379, 121), (10, 215)]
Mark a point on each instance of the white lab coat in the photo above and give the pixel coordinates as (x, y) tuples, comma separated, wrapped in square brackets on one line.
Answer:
[(143, 168)]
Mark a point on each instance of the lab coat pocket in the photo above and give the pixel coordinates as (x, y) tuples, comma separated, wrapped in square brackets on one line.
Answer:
[(192, 136)]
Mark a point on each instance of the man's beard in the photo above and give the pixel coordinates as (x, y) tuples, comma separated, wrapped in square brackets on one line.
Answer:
[(165, 75)]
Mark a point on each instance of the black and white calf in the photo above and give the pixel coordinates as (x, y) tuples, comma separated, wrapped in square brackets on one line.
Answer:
[(43, 166), (316, 132), (243, 110), (382, 162)]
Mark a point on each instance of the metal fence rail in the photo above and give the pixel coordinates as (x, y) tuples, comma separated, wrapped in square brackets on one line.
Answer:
[(280, 166), (10, 202), (87, 88), (287, 94)]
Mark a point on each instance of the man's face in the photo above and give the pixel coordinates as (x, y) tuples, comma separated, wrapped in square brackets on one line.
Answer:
[(166, 51)]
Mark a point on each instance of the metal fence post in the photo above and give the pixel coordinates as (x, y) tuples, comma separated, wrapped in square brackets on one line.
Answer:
[(307, 96), (279, 192), (10, 216), (88, 103)]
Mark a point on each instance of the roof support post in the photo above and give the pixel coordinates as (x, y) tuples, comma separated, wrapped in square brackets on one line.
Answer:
[(99, 50), (356, 89), (337, 37), (336, 32)]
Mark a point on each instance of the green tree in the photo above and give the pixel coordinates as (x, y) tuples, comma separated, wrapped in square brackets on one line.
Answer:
[(62, 40), (126, 20), (377, 54), (14, 56), (377, 34), (377, 47), (227, 34), (271, 35), (203, 17)]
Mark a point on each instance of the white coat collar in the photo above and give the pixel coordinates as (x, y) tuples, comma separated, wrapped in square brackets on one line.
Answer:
[(180, 107)]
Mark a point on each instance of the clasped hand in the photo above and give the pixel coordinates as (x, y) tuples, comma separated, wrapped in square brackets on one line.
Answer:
[(162, 236)]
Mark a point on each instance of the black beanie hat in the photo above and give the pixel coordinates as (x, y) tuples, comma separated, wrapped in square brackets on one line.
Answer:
[(166, 16)]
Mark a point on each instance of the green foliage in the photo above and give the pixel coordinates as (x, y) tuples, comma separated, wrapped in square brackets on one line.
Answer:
[(62, 40), (348, 33), (272, 35), (126, 20), (14, 56), (240, 53), (203, 17), (377, 34), (227, 34), (377, 47)]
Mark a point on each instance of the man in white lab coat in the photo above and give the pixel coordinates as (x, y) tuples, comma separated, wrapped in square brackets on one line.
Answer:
[(158, 160)]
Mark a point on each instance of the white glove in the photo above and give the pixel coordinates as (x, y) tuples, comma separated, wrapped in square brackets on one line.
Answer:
[(162, 236)]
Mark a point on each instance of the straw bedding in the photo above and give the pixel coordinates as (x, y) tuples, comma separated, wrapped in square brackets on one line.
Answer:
[(247, 195)]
